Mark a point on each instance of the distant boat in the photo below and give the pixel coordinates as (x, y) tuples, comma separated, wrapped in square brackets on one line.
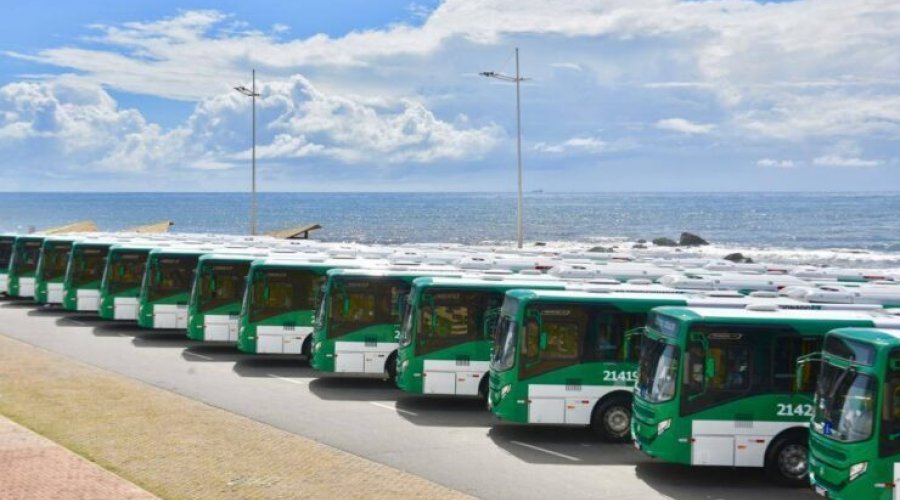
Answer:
[(537, 191)]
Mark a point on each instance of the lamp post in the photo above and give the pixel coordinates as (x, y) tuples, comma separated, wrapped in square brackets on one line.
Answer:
[(517, 79), (252, 94)]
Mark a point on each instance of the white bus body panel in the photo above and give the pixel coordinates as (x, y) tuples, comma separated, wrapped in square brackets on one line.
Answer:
[(896, 478), (125, 308), (362, 357), (280, 339), (565, 404), (26, 287), (220, 327), (734, 443), (87, 300), (169, 316), (55, 293), (4, 283), (460, 378)]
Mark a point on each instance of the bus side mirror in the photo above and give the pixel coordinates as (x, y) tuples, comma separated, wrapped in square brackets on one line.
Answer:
[(266, 293), (709, 368), (345, 306), (626, 341), (543, 341)]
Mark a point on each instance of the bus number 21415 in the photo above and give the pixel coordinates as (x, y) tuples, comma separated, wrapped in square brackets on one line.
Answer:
[(619, 376)]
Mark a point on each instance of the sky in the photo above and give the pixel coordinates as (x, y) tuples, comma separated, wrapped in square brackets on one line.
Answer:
[(355, 95)]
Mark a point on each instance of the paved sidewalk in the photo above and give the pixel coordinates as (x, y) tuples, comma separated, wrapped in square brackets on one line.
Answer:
[(176, 447), (33, 467)]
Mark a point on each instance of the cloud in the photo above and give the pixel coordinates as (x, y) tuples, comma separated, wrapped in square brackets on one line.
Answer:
[(76, 124), (684, 126), (582, 145), (842, 161), (769, 162)]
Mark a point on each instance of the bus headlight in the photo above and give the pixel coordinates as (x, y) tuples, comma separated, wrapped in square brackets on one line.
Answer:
[(857, 470), (404, 364), (663, 426), (505, 390)]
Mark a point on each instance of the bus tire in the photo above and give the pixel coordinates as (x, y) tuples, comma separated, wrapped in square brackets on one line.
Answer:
[(611, 419), (483, 389), (306, 348), (787, 459), (390, 368)]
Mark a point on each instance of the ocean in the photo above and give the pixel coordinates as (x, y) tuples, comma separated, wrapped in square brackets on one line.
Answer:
[(861, 227)]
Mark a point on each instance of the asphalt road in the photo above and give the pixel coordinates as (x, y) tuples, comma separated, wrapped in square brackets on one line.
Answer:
[(454, 442)]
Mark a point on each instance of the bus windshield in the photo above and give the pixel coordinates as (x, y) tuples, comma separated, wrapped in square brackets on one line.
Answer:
[(357, 303), (88, 265), (658, 370), (278, 291), (845, 404), (55, 260), (171, 276), (221, 284), (27, 258), (125, 271), (448, 318), (404, 338), (505, 340)]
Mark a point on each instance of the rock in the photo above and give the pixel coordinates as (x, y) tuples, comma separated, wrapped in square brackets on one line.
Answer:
[(665, 242), (601, 250), (641, 241), (639, 245), (691, 240), (539, 244), (738, 258)]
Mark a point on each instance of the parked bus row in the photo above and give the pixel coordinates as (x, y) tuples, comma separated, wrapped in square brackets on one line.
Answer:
[(696, 365)]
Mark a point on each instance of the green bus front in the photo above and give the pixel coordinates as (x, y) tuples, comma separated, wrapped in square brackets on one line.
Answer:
[(279, 304), (26, 252), (51, 271), (718, 387), (855, 438), (216, 298), (564, 358), (84, 272), (446, 335), (166, 288), (120, 288), (7, 242), (358, 320)]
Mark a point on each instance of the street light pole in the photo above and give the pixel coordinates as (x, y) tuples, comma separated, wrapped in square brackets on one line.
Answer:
[(253, 95), (517, 79)]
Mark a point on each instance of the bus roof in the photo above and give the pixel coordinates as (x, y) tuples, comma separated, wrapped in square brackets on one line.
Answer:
[(875, 317), (396, 271), (487, 282), (890, 336), (230, 257), (308, 262)]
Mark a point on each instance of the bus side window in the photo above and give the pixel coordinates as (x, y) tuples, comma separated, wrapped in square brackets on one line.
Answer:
[(890, 414), (784, 362)]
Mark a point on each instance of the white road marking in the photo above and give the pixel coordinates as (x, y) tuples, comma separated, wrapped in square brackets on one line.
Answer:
[(291, 380), (544, 450), (394, 408), (201, 356)]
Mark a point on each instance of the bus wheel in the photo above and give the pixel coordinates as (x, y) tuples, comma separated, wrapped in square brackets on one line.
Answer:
[(390, 368), (306, 348), (611, 420), (788, 460)]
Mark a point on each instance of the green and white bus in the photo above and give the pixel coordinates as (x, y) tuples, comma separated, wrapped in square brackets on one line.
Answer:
[(358, 317), (51, 270), (720, 387), (447, 332), (280, 302), (166, 286), (569, 358), (26, 252), (84, 272), (217, 296), (7, 241), (854, 446), (120, 288)]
